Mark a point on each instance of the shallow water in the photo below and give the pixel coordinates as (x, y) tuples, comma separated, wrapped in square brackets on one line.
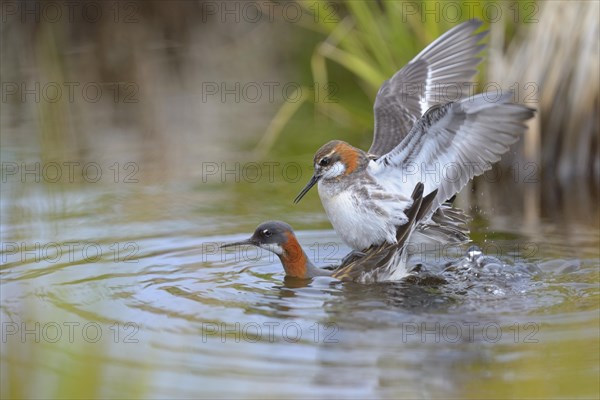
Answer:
[(130, 279)]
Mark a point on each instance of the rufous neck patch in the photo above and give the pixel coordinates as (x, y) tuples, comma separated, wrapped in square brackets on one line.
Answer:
[(349, 155), (293, 258)]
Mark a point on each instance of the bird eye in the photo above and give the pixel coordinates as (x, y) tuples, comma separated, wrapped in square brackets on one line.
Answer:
[(324, 161), (267, 233)]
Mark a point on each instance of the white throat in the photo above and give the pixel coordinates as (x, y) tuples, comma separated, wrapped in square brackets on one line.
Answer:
[(334, 171), (273, 248)]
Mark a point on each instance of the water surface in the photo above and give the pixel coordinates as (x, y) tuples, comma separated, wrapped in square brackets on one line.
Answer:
[(124, 282)]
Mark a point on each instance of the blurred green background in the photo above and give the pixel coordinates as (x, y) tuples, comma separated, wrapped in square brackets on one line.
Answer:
[(270, 81)]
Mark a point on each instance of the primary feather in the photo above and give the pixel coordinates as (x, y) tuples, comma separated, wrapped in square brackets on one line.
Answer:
[(451, 144), (428, 79)]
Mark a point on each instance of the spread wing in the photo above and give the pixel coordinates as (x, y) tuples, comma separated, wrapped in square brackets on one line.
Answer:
[(434, 76), (451, 144)]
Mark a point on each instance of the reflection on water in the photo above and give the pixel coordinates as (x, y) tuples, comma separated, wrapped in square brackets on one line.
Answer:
[(113, 284), (143, 288)]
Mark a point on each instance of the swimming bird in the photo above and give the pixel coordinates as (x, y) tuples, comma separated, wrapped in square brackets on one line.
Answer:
[(379, 263)]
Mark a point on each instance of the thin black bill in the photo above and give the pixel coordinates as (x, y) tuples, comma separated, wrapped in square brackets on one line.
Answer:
[(249, 242), (309, 185)]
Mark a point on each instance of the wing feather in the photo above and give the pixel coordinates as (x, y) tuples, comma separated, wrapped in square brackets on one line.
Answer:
[(424, 82), (451, 144)]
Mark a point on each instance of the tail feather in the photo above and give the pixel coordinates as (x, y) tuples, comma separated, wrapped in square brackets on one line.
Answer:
[(447, 225)]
